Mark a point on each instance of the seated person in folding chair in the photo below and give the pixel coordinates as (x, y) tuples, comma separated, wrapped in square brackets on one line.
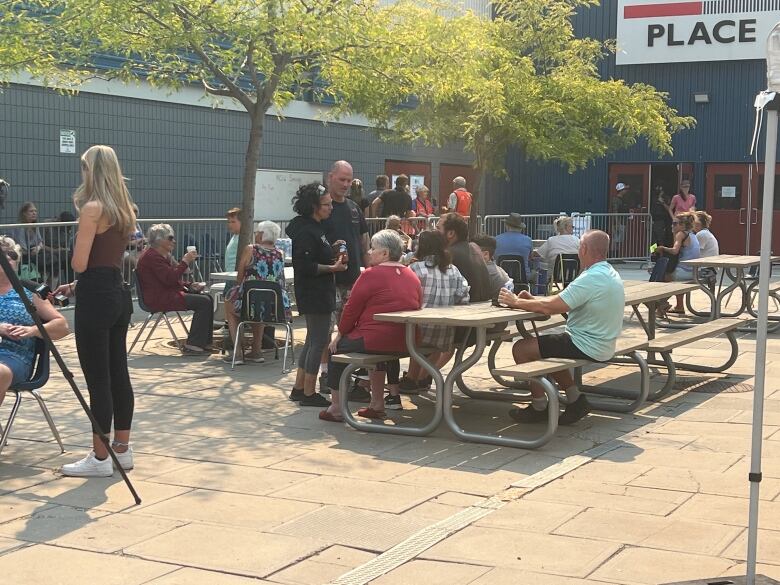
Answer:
[(17, 328), (515, 242), (592, 327), (565, 242), (164, 290), (262, 261)]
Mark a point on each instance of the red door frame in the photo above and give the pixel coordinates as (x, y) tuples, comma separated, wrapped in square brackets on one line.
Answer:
[(408, 168), (728, 225), (620, 173), (756, 211)]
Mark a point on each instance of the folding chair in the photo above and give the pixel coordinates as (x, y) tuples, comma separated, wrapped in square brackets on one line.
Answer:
[(39, 378), (159, 314), (565, 269), (263, 304), (514, 265)]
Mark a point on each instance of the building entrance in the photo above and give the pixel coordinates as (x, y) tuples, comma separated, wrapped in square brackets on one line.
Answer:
[(734, 196), (643, 179)]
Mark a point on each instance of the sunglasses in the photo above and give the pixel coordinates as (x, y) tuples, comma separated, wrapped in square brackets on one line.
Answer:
[(171, 238), (11, 254)]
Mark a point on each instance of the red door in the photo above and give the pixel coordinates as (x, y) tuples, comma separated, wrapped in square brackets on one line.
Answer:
[(447, 173), (757, 207), (727, 199), (399, 167), (637, 177)]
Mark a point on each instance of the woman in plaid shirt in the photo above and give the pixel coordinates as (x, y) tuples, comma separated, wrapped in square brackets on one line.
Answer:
[(443, 286)]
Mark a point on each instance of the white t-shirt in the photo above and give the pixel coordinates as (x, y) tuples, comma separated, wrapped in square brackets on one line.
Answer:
[(564, 244), (708, 244)]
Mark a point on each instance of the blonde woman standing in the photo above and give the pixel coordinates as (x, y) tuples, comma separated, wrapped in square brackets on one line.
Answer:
[(103, 306)]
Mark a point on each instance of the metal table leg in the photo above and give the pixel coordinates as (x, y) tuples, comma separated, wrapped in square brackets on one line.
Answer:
[(638, 399), (372, 427), (457, 371)]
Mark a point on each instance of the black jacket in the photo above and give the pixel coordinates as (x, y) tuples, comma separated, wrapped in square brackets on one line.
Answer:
[(314, 293)]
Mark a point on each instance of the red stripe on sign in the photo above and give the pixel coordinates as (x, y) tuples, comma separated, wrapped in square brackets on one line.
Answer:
[(670, 9)]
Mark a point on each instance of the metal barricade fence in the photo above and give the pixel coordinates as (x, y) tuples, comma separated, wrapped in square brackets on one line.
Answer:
[(47, 247), (630, 233)]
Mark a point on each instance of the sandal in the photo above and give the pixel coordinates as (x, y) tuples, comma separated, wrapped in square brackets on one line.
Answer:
[(191, 351), (326, 416), (676, 311), (369, 412)]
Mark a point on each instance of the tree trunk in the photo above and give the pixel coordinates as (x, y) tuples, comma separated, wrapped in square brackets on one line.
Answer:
[(251, 160)]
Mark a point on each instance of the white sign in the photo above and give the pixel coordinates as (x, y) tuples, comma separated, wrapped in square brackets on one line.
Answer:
[(67, 141), (414, 182), (663, 31), (274, 190), (728, 192)]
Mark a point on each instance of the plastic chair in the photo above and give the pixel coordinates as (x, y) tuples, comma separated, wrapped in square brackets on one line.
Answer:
[(514, 265), (159, 314), (565, 269), (38, 379), (259, 295)]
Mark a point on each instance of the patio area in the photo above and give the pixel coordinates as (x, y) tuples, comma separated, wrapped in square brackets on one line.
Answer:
[(241, 486)]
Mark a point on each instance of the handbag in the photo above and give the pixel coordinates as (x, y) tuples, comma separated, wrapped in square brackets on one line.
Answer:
[(674, 259)]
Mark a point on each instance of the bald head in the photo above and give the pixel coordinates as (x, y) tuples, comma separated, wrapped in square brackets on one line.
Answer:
[(339, 180), (594, 247)]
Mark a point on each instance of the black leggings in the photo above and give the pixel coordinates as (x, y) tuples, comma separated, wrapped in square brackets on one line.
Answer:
[(201, 329), (103, 309)]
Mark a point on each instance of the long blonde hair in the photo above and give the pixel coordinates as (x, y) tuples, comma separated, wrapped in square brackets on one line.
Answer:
[(103, 182)]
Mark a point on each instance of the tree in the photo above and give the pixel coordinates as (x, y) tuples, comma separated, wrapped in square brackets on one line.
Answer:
[(34, 38), (521, 80), (261, 53)]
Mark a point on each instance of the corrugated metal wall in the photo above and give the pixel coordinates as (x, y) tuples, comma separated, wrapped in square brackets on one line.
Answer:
[(182, 161), (722, 134)]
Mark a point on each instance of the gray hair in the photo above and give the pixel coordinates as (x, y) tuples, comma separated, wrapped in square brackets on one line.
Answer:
[(393, 220), (271, 231), (157, 233), (562, 224), (459, 182), (388, 240), (8, 244)]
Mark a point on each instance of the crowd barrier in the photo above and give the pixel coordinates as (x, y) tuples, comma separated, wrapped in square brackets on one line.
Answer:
[(631, 238)]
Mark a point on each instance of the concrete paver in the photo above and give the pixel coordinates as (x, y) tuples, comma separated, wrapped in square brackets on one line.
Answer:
[(240, 485)]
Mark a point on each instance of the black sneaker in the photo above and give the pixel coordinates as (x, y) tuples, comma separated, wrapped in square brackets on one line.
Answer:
[(393, 402), (324, 388), (359, 394), (297, 395), (315, 400), (575, 411), (528, 415)]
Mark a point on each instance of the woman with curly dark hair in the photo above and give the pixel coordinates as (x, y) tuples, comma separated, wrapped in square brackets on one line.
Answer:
[(314, 262)]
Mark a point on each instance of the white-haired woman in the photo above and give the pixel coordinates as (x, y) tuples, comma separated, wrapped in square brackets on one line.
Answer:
[(103, 306), (565, 242), (386, 286), (260, 261), (164, 289), (17, 328)]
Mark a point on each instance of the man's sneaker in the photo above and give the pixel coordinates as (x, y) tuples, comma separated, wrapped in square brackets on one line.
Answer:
[(297, 394), (228, 359), (125, 459), (255, 358), (393, 402), (315, 400), (324, 388), (409, 386), (359, 394), (575, 411), (528, 415), (90, 466)]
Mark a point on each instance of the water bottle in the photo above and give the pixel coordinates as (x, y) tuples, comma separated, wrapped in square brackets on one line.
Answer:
[(343, 253), (541, 281)]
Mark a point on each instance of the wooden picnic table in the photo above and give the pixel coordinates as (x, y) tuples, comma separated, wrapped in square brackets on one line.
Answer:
[(731, 264)]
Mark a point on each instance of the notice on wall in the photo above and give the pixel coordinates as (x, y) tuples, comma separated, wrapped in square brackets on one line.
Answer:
[(664, 31), (414, 182), (274, 190), (728, 192), (67, 142)]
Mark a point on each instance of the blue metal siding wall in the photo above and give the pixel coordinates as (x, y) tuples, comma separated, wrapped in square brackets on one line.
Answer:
[(181, 160), (722, 134)]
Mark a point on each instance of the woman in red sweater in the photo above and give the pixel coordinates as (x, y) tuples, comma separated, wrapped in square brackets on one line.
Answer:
[(386, 286)]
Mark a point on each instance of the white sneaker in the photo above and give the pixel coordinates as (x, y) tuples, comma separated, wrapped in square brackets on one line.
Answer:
[(125, 459), (90, 466)]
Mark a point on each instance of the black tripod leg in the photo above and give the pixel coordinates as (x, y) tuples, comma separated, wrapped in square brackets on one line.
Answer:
[(17, 286)]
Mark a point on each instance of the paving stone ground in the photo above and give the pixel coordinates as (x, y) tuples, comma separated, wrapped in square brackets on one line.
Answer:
[(241, 486)]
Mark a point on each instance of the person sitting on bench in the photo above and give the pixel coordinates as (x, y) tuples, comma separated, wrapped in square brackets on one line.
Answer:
[(594, 302)]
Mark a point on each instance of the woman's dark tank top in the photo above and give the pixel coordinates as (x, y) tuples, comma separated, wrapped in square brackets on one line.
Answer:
[(108, 249)]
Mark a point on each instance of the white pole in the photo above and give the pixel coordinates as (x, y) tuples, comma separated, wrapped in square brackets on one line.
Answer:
[(763, 308)]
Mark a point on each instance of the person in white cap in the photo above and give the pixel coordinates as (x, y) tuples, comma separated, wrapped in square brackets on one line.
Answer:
[(618, 204)]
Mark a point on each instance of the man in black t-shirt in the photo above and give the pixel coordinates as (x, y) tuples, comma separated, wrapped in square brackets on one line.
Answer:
[(394, 201)]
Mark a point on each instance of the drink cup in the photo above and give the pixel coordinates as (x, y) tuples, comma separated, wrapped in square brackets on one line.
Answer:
[(192, 249)]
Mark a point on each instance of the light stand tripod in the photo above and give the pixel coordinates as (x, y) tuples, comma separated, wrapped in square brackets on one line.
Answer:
[(17, 286)]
